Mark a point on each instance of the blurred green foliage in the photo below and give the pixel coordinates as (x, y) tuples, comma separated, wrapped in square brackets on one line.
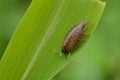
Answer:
[(100, 57), (10, 15)]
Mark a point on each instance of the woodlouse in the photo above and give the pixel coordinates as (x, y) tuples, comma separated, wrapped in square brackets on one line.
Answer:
[(73, 38)]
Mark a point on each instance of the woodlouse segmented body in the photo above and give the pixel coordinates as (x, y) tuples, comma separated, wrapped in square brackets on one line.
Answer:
[(73, 38)]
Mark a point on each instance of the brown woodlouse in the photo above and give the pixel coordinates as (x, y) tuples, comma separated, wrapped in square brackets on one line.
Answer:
[(73, 38)]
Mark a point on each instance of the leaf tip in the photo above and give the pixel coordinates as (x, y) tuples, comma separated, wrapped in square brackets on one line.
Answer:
[(101, 2)]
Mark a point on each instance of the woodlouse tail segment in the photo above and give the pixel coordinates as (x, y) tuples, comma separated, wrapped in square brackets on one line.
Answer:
[(83, 23)]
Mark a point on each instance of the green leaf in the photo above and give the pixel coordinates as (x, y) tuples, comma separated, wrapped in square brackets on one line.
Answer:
[(34, 52)]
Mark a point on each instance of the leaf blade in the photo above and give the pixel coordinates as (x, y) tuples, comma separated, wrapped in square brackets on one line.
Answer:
[(35, 43)]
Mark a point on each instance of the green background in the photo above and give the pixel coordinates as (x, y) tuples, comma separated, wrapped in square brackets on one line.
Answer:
[(100, 57)]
